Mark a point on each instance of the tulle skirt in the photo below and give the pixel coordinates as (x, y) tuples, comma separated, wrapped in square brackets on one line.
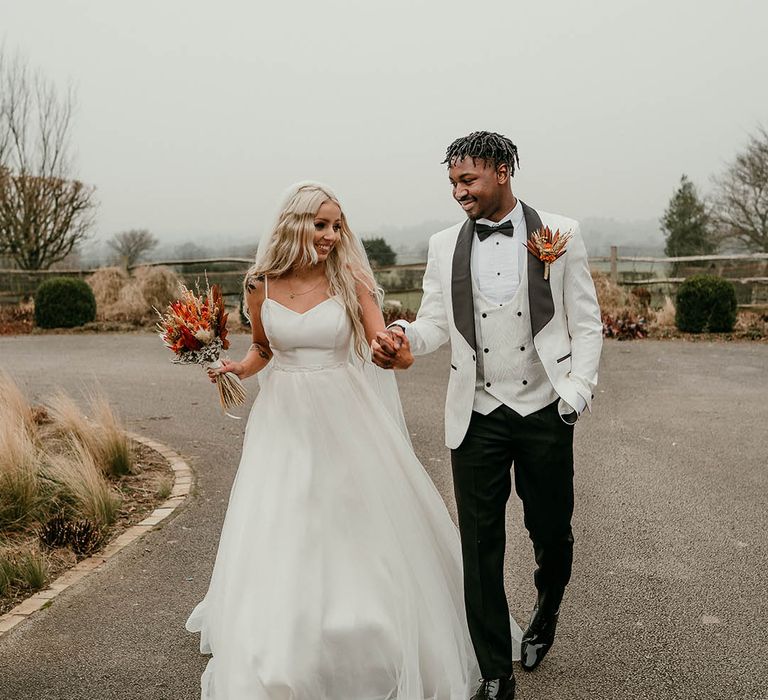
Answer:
[(338, 574)]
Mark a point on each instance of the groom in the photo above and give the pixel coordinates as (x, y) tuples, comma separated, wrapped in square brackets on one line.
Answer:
[(526, 335)]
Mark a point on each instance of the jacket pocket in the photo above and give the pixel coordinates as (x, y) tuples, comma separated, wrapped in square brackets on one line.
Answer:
[(563, 358), (454, 367)]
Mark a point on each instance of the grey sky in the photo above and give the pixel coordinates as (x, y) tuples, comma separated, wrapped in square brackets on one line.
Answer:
[(195, 116)]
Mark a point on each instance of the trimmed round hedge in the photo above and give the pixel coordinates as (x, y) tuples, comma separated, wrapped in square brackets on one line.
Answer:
[(706, 303), (64, 302)]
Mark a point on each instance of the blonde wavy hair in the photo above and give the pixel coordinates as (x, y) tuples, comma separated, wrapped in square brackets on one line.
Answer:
[(291, 245)]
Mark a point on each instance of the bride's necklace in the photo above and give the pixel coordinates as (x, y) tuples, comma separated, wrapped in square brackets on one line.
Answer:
[(293, 294)]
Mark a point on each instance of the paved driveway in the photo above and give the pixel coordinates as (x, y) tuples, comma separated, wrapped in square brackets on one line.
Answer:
[(668, 598)]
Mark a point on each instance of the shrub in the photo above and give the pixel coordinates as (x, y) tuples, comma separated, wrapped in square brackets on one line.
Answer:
[(706, 303), (624, 326), (752, 325), (64, 302), (641, 297), (81, 536), (394, 312), (17, 318)]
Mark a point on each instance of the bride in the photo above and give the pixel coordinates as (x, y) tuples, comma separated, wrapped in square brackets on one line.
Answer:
[(338, 573)]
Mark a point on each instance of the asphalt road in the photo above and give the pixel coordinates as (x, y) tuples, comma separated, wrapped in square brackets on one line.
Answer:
[(668, 597)]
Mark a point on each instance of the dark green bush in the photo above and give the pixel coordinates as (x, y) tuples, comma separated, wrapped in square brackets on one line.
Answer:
[(64, 302), (706, 303)]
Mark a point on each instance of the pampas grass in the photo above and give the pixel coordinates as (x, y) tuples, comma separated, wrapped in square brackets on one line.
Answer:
[(665, 316), (55, 474), (14, 403), (610, 296), (106, 284), (82, 485), (131, 305), (22, 493), (159, 285), (103, 438), (69, 421), (31, 568), (132, 299), (6, 571), (164, 488), (113, 452), (23, 567)]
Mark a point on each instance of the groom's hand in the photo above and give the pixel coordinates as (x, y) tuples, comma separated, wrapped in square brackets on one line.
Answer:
[(391, 349)]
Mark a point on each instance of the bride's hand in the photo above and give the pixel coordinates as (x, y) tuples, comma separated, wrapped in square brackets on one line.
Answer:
[(226, 366), (391, 349), (403, 359)]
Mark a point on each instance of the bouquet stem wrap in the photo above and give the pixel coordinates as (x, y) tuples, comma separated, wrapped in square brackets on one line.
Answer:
[(231, 390)]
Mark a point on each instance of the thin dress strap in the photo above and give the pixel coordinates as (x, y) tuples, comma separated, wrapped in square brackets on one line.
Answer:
[(266, 286)]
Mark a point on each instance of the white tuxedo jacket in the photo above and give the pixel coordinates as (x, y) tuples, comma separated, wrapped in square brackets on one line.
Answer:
[(564, 316)]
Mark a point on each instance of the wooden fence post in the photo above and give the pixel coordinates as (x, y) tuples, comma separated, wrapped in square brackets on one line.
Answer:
[(614, 263)]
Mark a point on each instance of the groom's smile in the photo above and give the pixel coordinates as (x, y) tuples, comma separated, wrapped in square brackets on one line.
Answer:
[(481, 190)]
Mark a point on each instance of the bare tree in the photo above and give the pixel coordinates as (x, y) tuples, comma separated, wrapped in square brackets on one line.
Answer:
[(741, 198), (132, 245), (44, 212)]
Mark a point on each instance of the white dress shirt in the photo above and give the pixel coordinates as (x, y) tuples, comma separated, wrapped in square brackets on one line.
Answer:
[(497, 261)]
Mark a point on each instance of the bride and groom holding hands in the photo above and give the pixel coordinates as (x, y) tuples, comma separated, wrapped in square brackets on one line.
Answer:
[(340, 574)]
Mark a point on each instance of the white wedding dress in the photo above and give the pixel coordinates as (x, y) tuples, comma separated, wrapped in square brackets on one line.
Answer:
[(338, 574)]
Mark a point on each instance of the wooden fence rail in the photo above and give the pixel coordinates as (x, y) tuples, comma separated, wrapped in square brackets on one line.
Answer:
[(406, 279)]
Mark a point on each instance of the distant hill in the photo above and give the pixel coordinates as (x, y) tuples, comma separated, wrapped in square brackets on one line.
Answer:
[(642, 237)]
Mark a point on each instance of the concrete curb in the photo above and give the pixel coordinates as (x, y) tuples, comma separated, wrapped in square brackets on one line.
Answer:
[(182, 485)]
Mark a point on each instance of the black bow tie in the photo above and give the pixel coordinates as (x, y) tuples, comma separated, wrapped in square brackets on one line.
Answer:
[(483, 230)]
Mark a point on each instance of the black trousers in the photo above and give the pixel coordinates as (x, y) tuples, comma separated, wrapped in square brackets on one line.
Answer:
[(541, 447)]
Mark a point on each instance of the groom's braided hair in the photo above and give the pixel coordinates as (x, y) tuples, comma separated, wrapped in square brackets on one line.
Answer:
[(491, 147)]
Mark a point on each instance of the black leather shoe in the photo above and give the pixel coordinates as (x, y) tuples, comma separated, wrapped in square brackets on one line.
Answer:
[(538, 638), (496, 689)]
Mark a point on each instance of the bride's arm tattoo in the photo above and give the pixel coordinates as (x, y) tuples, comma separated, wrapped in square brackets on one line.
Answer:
[(262, 352)]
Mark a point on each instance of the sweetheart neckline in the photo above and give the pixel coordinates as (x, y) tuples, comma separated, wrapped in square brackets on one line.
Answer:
[(303, 313)]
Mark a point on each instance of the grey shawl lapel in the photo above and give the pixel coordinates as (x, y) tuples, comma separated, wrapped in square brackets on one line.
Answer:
[(542, 306), (461, 284)]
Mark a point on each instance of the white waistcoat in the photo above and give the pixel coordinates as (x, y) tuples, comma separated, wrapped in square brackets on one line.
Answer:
[(508, 367)]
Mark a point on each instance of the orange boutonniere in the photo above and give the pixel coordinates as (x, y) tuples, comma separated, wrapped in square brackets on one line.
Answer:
[(547, 247)]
